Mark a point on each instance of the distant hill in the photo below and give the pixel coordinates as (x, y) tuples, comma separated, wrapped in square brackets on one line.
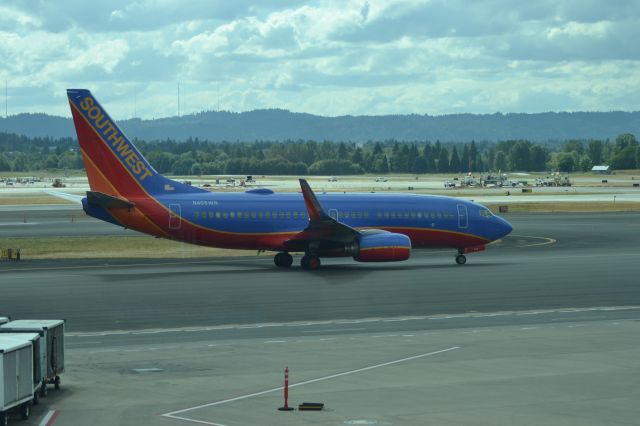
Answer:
[(276, 124)]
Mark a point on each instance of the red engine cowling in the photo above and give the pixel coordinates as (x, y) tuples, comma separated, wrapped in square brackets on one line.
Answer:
[(383, 247)]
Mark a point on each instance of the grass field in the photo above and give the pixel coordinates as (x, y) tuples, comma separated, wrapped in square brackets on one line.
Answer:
[(105, 247), (567, 207)]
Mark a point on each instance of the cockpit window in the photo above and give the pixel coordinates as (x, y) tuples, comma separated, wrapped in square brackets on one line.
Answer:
[(486, 213)]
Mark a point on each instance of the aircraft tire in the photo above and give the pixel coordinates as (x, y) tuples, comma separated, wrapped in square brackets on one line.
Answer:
[(310, 262), (461, 259), (283, 260), (4, 419)]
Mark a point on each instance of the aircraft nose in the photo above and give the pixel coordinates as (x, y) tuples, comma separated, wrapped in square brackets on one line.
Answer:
[(504, 227)]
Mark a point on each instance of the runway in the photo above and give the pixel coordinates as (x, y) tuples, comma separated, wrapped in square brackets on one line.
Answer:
[(551, 261), (539, 329)]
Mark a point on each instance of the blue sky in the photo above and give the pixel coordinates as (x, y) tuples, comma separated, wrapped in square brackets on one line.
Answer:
[(323, 57)]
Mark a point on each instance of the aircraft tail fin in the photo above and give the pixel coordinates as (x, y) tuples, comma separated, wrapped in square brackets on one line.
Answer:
[(114, 165)]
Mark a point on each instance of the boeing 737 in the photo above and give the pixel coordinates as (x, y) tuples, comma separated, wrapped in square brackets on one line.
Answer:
[(126, 190)]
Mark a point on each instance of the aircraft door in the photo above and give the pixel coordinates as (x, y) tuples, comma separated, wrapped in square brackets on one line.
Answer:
[(463, 217), (175, 216), (334, 214)]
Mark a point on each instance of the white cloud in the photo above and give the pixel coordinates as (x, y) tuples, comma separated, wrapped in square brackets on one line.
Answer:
[(326, 57)]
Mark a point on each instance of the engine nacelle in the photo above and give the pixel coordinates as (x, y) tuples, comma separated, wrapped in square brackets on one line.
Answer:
[(383, 247)]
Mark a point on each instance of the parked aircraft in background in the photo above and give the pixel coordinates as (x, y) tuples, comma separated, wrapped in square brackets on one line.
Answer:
[(127, 191)]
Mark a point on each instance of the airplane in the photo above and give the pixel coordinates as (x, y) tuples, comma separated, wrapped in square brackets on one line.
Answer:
[(125, 190)]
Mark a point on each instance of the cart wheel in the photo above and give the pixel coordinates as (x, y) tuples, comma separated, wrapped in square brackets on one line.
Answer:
[(43, 389), (4, 419), (56, 382), (25, 411), (36, 397)]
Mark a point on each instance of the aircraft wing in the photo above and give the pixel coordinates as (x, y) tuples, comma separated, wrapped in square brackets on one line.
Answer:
[(322, 229)]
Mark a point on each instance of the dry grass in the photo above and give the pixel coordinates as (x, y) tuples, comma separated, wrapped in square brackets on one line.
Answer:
[(112, 247), (31, 199), (575, 207)]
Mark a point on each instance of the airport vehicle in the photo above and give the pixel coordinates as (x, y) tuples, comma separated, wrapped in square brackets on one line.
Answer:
[(39, 360), (51, 346), (16, 378), (127, 191), (4, 320)]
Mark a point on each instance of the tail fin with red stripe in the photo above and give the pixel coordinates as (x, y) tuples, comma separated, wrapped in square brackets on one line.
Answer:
[(114, 165)]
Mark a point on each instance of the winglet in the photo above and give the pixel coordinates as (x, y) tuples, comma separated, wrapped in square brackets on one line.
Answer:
[(313, 205)]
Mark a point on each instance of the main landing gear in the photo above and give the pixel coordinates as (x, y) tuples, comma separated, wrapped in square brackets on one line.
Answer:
[(461, 259), (283, 260), (310, 262)]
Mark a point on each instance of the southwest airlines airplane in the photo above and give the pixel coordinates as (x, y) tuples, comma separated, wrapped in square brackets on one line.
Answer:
[(127, 191)]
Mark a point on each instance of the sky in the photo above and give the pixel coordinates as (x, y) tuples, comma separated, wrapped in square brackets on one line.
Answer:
[(357, 57)]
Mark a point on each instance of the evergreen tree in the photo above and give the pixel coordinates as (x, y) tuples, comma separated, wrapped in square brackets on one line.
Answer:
[(454, 162), (465, 160), (443, 160)]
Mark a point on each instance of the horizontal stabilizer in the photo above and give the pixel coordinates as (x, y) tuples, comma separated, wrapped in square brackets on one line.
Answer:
[(66, 196), (108, 201)]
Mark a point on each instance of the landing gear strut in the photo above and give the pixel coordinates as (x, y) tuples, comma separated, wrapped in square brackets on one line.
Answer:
[(310, 262), (283, 260), (461, 259)]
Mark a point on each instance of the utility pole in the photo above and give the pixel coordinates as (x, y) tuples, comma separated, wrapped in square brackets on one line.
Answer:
[(135, 102), (178, 98), (6, 99)]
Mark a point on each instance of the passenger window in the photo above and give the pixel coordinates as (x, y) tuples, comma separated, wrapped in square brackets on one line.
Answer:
[(217, 215), (359, 215), (419, 215), (386, 215), (224, 215), (196, 215), (439, 215), (233, 215), (281, 215), (259, 215), (406, 215), (346, 215), (379, 215), (267, 215), (246, 215), (239, 215), (413, 215), (288, 215), (295, 215), (393, 215), (253, 215)]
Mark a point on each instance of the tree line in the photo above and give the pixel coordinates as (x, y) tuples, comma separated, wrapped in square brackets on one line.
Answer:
[(201, 157)]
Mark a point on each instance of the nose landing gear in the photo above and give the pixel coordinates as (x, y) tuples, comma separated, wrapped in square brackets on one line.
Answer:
[(461, 259)]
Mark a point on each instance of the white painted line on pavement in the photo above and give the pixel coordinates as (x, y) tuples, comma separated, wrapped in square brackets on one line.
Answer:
[(49, 418), (174, 414)]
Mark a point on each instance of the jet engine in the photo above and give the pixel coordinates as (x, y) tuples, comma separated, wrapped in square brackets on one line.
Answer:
[(383, 246)]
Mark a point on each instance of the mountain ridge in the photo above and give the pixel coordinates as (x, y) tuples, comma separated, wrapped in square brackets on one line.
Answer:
[(279, 124)]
